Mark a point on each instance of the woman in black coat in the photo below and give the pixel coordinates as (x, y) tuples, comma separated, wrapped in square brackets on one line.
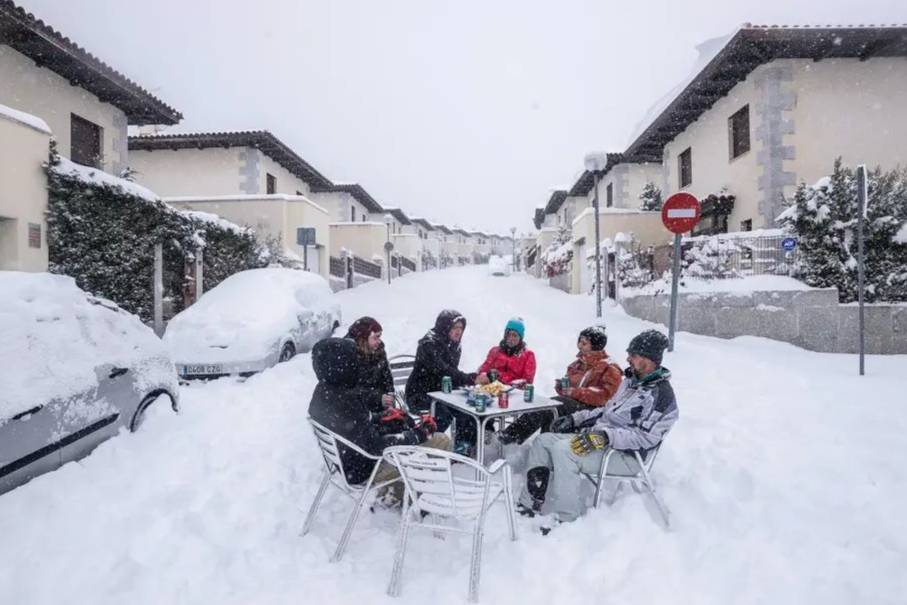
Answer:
[(438, 355), (341, 406), (374, 370)]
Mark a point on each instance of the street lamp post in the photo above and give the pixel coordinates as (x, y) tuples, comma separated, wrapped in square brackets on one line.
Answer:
[(513, 249), (595, 163), (388, 246)]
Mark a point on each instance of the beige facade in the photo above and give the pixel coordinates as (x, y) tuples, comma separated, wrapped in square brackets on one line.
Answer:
[(365, 240), (45, 94), (344, 207), (277, 216), (23, 194), (626, 182), (801, 117), (190, 172), (410, 246)]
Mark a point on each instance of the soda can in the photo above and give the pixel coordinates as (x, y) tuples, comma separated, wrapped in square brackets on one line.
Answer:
[(565, 383), (481, 402), (528, 392), (504, 400), (493, 375), (446, 384), (470, 397)]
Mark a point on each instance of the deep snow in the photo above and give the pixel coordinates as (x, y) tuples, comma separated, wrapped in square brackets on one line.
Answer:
[(784, 475)]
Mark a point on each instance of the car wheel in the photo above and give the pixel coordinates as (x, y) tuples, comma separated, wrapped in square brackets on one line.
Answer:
[(139, 415), (287, 353)]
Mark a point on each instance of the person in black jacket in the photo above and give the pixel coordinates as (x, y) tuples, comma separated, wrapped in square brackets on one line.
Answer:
[(438, 355), (344, 408), (375, 372)]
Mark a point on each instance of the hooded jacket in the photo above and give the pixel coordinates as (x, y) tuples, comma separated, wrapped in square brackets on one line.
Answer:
[(511, 365), (639, 415), (437, 356), (594, 378), (341, 406)]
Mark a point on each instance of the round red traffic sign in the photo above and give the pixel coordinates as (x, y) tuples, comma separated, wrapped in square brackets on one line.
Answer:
[(680, 212)]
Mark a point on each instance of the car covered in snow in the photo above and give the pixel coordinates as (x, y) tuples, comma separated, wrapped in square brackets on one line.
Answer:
[(251, 321), (74, 370), (499, 265)]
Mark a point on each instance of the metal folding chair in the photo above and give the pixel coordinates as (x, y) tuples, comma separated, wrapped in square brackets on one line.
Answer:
[(432, 489), (401, 367), (329, 442), (641, 477)]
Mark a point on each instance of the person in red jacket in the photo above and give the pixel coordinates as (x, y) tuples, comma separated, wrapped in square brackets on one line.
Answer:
[(593, 379), (510, 358)]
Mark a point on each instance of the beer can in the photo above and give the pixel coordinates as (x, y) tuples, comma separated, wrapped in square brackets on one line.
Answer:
[(504, 400), (470, 397), (446, 384), (565, 383), (493, 375), (528, 392), (481, 402)]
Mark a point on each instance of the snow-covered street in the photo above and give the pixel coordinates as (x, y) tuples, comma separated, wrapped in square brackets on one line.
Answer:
[(784, 476)]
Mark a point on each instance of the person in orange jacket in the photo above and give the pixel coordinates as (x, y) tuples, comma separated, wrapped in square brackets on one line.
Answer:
[(593, 380)]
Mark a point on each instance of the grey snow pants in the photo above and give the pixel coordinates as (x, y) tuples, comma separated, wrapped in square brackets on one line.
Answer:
[(565, 483)]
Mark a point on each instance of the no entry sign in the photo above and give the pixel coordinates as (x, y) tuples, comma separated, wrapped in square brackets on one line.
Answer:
[(680, 212)]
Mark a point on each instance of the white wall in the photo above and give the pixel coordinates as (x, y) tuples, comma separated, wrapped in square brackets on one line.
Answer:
[(23, 195), (287, 182), (189, 171), (43, 93)]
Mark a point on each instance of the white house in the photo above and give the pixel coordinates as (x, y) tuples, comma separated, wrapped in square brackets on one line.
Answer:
[(53, 87), (769, 107), (250, 178)]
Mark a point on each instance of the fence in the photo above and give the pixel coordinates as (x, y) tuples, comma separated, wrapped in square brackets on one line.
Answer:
[(364, 267), (739, 254), (338, 267)]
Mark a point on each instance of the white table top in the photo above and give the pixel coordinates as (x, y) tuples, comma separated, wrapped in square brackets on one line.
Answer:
[(457, 399)]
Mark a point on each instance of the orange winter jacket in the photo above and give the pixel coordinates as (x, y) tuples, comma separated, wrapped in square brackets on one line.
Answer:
[(594, 378)]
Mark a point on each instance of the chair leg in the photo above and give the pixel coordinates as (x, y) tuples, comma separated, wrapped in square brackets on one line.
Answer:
[(613, 498), (313, 509), (508, 502), (665, 515), (393, 588), (354, 516), (475, 566)]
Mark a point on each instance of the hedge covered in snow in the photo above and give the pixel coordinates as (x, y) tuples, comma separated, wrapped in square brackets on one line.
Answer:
[(101, 230), (824, 216)]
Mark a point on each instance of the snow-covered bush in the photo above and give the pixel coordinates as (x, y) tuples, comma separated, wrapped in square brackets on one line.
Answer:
[(650, 198), (101, 230), (824, 217), (711, 258), (556, 259)]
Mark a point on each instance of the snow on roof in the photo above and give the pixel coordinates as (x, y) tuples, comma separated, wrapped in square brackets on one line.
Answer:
[(254, 197), (25, 119), (53, 335), (96, 176)]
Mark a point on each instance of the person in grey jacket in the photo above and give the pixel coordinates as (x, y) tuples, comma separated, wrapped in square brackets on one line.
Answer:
[(635, 419)]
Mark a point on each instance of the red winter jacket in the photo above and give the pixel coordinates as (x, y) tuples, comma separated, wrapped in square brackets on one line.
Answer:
[(511, 367)]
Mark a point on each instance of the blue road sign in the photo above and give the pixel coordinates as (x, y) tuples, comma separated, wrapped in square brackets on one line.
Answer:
[(788, 243)]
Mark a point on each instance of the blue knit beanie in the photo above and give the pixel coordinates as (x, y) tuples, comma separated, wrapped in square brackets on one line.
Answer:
[(516, 324)]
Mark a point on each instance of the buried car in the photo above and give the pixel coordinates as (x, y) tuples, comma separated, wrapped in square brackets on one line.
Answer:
[(500, 265), (251, 321), (76, 369)]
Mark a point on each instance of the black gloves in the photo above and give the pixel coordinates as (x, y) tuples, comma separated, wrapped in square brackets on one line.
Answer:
[(562, 424)]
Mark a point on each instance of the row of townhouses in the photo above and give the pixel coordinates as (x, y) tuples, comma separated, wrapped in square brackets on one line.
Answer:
[(766, 108), (54, 89)]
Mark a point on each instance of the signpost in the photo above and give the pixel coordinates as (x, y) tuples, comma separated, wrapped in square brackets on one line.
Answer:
[(862, 199), (680, 213), (305, 237)]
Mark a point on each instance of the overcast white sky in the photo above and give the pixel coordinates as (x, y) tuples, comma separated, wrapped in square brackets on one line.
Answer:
[(461, 112)]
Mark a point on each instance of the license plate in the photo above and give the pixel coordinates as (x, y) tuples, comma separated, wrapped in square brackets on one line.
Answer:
[(191, 370)]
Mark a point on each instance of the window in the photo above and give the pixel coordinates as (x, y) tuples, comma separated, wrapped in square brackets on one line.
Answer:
[(85, 142), (270, 184), (685, 167), (352, 214), (609, 195), (739, 132), (34, 235), (298, 192), (746, 225)]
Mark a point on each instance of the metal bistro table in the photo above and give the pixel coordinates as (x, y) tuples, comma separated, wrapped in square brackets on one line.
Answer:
[(457, 400)]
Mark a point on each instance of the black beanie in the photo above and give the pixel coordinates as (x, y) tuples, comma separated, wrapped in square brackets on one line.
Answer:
[(650, 344), (597, 336)]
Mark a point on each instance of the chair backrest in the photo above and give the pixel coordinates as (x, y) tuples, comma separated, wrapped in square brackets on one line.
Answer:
[(432, 487), (329, 443), (401, 368)]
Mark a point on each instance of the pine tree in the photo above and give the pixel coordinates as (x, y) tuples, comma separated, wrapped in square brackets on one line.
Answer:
[(650, 198)]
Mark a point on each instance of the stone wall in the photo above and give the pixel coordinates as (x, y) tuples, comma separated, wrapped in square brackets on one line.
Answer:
[(812, 319)]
